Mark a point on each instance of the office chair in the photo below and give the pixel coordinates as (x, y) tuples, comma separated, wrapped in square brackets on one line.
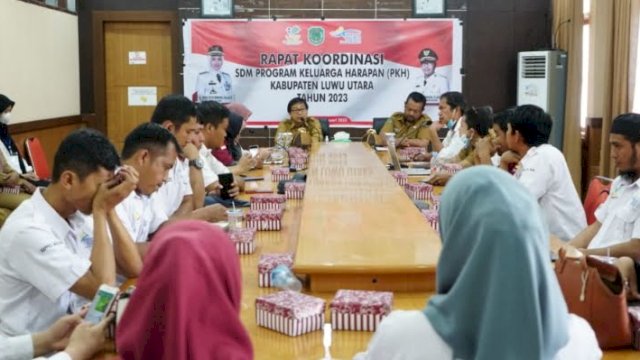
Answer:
[(37, 157)]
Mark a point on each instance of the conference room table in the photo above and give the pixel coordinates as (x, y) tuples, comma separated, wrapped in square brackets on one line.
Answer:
[(356, 229)]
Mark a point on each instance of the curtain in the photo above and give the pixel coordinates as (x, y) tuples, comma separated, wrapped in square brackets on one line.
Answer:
[(615, 22), (569, 39)]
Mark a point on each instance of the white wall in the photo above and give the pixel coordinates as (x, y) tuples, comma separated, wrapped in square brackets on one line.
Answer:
[(39, 62)]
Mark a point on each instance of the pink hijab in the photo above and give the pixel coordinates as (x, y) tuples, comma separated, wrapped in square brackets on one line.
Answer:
[(187, 301)]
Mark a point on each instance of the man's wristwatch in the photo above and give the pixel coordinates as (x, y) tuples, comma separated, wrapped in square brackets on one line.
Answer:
[(197, 163)]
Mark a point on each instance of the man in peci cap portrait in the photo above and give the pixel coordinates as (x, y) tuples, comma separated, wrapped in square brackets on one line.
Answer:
[(429, 83), (214, 84)]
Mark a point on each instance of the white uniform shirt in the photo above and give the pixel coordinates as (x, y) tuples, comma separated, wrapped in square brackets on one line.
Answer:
[(544, 172), (139, 216), (452, 144), (21, 348), (212, 166), (408, 335), (39, 261), (431, 87), (14, 160), (178, 185), (214, 86), (619, 215)]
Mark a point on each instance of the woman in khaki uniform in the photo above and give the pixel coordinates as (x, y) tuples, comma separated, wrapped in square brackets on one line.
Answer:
[(298, 119), (14, 189)]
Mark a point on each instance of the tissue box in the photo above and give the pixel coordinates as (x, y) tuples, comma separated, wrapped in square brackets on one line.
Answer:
[(268, 202), (264, 219), (401, 177), (244, 239), (294, 189), (279, 174), (359, 310), (432, 218), (419, 191), (634, 315), (267, 263), (290, 312)]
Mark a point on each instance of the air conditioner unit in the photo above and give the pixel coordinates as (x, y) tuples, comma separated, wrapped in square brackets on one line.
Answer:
[(542, 78)]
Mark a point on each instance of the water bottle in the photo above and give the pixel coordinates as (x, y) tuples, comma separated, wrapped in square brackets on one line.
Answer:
[(282, 278)]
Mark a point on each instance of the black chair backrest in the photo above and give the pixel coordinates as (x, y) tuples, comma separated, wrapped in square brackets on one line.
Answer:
[(324, 124), (378, 123)]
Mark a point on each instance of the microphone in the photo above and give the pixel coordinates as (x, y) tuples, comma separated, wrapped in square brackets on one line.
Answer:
[(219, 77)]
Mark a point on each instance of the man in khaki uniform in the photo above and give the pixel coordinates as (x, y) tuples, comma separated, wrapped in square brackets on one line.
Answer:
[(298, 119), (412, 127)]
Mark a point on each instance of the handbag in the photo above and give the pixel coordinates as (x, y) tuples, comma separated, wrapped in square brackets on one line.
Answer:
[(596, 291)]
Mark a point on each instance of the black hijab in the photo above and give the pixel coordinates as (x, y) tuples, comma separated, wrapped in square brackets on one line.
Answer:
[(233, 130), (5, 103)]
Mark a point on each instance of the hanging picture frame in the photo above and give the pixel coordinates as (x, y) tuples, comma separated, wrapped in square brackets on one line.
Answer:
[(217, 8), (429, 8)]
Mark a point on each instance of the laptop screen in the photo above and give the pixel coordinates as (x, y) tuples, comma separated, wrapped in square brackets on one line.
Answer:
[(394, 156)]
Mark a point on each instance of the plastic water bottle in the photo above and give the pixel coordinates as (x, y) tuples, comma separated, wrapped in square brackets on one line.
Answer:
[(282, 278)]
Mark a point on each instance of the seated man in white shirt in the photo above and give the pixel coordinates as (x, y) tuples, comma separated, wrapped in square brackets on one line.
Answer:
[(42, 261), (183, 195), (616, 231), (450, 112), (214, 120), (544, 171), (146, 149)]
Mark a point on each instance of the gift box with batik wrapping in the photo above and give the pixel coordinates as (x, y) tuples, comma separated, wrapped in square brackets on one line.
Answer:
[(244, 240), (264, 219), (269, 262), (268, 202), (290, 312), (419, 191), (359, 310)]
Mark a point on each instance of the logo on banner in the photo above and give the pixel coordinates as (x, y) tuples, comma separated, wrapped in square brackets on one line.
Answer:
[(315, 35), (348, 36), (292, 36)]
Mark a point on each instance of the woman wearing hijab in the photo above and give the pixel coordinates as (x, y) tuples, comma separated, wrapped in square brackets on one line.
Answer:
[(497, 296), (231, 153), (187, 301), (14, 187)]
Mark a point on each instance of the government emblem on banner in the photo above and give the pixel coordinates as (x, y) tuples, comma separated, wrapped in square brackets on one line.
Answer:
[(315, 35)]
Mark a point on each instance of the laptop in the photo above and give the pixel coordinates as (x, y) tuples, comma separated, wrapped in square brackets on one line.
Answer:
[(395, 161)]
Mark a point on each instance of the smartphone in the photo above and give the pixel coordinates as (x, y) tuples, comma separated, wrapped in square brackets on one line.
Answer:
[(225, 180), (254, 150), (102, 302), (253, 178)]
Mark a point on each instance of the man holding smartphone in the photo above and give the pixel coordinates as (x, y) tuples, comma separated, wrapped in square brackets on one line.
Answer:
[(214, 120), (43, 260)]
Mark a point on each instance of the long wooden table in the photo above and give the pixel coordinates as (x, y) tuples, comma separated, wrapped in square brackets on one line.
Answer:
[(272, 345), (358, 229)]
